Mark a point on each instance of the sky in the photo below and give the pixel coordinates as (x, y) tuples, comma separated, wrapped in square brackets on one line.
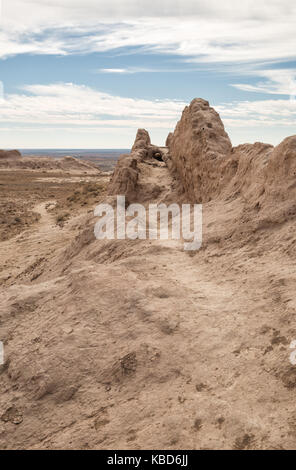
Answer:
[(88, 74)]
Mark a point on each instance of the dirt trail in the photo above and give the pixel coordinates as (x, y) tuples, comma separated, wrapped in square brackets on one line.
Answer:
[(33, 244), (138, 344)]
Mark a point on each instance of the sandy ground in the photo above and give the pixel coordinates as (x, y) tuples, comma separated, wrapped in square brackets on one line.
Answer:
[(138, 344)]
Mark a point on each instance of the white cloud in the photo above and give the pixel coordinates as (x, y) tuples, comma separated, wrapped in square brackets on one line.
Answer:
[(68, 115), (211, 32), (278, 82), (114, 71), (133, 70), (32, 11), (80, 105), (243, 36), (259, 113)]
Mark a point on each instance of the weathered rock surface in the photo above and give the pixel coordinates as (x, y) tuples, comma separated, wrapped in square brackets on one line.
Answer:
[(198, 148), (280, 178), (125, 179), (169, 139), (207, 168), (257, 178), (142, 140)]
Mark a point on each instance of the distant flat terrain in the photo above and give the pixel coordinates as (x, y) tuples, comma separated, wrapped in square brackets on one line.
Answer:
[(105, 158)]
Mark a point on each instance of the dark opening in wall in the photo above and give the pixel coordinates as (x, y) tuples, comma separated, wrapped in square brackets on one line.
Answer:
[(157, 156)]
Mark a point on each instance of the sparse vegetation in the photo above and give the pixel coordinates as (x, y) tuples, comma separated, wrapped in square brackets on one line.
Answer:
[(87, 194), (15, 216), (62, 218), (19, 196)]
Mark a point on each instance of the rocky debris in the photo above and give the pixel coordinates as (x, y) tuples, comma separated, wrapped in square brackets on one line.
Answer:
[(10, 155)]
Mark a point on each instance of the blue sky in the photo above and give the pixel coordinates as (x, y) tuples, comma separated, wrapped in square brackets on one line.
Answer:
[(88, 74)]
